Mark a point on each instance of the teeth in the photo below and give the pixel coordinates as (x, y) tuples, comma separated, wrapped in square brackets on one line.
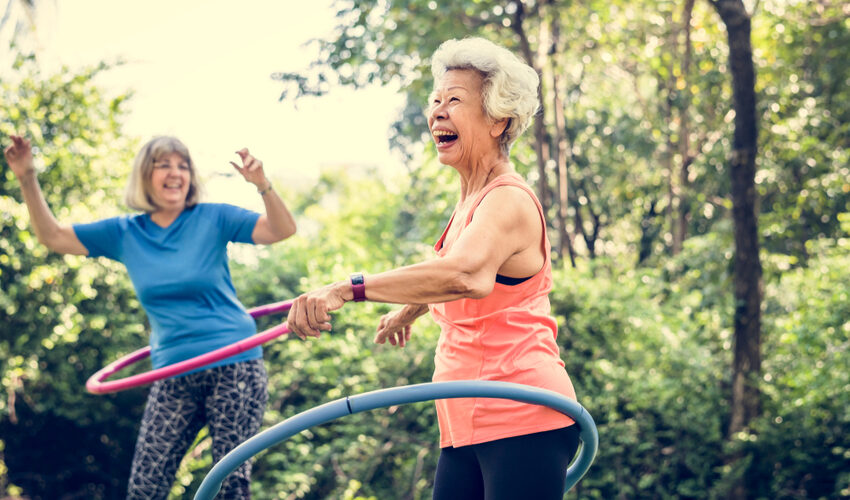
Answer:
[(442, 133)]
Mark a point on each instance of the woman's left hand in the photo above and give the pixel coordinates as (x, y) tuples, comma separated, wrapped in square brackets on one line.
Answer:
[(394, 327), (251, 169), (309, 312)]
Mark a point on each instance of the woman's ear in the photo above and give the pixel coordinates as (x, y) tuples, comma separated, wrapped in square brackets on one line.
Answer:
[(499, 126)]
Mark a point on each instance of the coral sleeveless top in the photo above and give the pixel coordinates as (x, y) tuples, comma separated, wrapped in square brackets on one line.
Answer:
[(507, 336)]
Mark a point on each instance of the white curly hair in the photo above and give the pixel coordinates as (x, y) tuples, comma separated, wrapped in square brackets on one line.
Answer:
[(509, 89)]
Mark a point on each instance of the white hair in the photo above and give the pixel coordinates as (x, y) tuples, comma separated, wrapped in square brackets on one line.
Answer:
[(509, 89)]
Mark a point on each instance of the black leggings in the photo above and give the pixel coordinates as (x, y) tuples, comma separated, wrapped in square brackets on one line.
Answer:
[(230, 400), (529, 466)]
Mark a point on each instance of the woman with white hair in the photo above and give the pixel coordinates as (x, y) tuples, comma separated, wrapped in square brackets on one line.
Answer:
[(175, 251), (487, 288)]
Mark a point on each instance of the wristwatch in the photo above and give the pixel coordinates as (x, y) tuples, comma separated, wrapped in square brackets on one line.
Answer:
[(358, 287)]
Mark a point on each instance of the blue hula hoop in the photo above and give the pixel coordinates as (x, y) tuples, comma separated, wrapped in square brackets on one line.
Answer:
[(410, 394)]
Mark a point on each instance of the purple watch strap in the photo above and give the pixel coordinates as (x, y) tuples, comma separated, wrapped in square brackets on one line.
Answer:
[(358, 287)]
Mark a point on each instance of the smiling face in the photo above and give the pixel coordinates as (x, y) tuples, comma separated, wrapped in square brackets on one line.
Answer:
[(170, 180), (459, 125)]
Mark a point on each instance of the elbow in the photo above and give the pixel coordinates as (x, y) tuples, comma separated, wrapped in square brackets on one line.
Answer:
[(479, 288), (470, 283), (51, 241), (47, 244), (282, 234)]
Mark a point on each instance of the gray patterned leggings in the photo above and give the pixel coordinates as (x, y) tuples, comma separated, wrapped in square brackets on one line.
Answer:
[(229, 399)]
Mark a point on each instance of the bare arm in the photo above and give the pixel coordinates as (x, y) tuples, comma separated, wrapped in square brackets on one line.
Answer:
[(56, 237), (506, 228), (277, 223), (495, 235)]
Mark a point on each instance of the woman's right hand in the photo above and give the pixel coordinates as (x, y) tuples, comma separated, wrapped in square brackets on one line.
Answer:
[(309, 313), (19, 156)]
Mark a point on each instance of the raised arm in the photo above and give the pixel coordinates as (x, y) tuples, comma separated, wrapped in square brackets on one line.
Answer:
[(56, 237), (277, 223)]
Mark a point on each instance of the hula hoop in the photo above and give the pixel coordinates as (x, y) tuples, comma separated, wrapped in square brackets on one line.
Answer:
[(349, 405), (96, 384)]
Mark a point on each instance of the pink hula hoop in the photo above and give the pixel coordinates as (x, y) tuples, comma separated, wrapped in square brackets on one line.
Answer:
[(97, 383)]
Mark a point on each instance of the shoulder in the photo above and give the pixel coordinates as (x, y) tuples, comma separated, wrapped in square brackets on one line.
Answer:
[(205, 207), (122, 222), (217, 208), (511, 211), (211, 210), (228, 217), (130, 218), (510, 199)]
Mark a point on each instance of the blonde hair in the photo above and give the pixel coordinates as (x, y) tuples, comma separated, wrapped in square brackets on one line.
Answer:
[(138, 195), (509, 89)]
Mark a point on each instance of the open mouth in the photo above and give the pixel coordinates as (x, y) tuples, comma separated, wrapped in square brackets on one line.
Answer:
[(444, 137)]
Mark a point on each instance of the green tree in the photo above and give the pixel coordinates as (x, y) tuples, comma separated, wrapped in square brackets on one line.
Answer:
[(746, 364), (805, 109), (61, 318)]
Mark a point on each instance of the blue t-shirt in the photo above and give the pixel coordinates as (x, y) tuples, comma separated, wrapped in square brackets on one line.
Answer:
[(181, 277)]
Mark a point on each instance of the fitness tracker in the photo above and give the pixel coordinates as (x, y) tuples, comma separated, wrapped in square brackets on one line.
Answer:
[(358, 287)]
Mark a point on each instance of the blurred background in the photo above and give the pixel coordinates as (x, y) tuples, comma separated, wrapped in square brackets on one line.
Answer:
[(697, 190)]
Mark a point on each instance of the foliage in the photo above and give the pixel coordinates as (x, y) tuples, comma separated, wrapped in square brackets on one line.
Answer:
[(647, 338), (57, 311), (804, 173), (802, 444)]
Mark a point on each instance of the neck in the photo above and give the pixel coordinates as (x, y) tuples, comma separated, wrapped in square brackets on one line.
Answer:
[(482, 172), (163, 217)]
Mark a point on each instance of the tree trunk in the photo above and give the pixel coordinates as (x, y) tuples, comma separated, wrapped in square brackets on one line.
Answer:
[(565, 238), (746, 365), (541, 138), (680, 230), (667, 89)]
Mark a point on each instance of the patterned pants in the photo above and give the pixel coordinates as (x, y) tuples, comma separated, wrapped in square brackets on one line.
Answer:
[(229, 399)]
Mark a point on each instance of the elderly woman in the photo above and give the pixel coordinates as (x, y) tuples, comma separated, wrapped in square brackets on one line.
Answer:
[(487, 288), (175, 251)]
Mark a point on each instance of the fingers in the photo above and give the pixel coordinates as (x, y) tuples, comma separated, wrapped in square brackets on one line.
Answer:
[(249, 162), (19, 144), (308, 316), (402, 336), (388, 331), (317, 312), (253, 164), (238, 168), (19, 155), (380, 333)]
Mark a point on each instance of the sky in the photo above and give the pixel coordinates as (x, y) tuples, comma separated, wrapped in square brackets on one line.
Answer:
[(200, 70)]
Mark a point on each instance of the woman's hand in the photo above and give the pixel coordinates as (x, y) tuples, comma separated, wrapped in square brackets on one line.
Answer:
[(251, 169), (309, 312), (19, 156), (59, 238), (395, 326)]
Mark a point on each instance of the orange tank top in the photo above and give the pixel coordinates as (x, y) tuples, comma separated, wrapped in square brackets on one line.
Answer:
[(507, 336)]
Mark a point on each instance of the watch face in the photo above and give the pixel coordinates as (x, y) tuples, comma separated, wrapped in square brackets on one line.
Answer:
[(357, 279)]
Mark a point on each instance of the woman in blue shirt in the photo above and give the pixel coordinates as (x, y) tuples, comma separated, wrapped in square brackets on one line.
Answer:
[(175, 252)]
